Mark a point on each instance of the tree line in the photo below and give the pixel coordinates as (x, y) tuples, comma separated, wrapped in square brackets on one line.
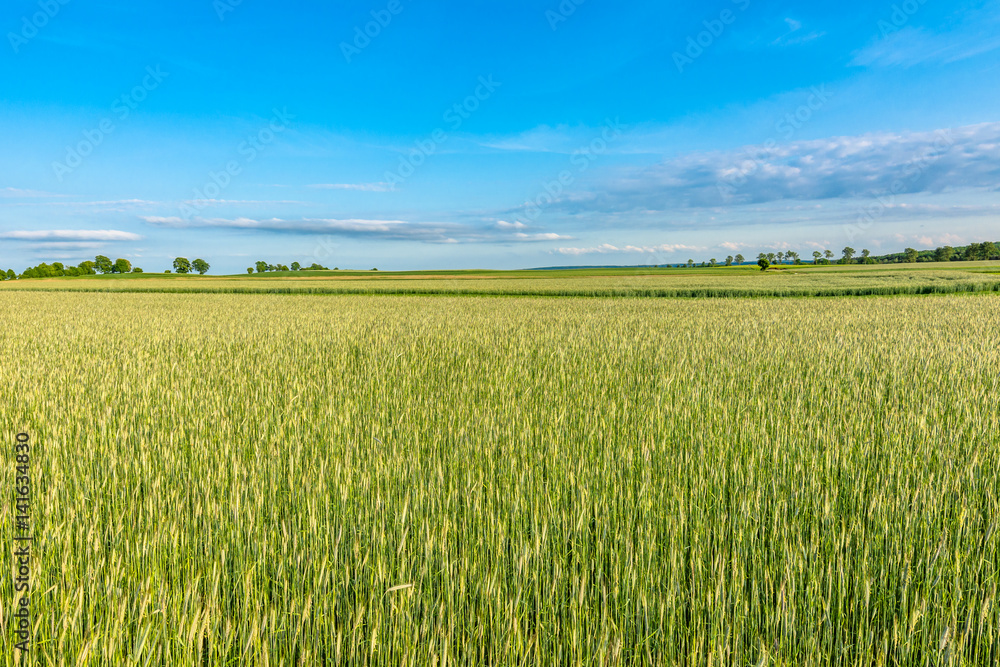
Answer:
[(265, 267), (101, 264), (973, 252)]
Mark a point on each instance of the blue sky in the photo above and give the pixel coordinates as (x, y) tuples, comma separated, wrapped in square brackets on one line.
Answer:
[(493, 135)]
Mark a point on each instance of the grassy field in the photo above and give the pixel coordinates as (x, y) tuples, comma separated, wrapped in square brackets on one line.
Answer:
[(224, 479), (856, 280)]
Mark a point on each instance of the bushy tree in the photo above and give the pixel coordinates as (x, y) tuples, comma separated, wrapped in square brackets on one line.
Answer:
[(250, 270), (103, 265), (122, 266), (137, 270), (296, 266), (740, 259), (911, 255), (763, 263), (87, 268), (11, 275), (848, 257), (944, 254), (182, 265), (729, 260), (201, 266), (261, 266)]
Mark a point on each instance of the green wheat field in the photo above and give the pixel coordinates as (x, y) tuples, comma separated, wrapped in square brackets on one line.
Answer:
[(222, 478)]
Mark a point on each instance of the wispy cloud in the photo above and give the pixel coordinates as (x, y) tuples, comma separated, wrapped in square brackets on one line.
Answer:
[(901, 44), (795, 35), (49, 235), (359, 187), (26, 194)]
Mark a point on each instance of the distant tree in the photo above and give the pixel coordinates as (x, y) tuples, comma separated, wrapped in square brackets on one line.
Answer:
[(944, 254), (250, 270), (167, 271), (911, 255), (690, 263), (816, 255), (848, 257), (989, 250), (11, 275), (771, 257), (763, 263), (729, 260), (317, 267), (296, 266), (272, 267), (713, 262), (781, 257), (182, 265), (281, 267), (87, 268), (336, 268), (374, 269), (866, 257), (137, 270), (58, 269), (71, 271), (740, 259), (122, 266), (201, 266), (261, 267), (793, 256), (103, 265), (828, 254)]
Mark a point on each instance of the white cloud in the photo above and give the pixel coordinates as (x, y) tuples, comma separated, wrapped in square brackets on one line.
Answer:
[(541, 237), (838, 167), (607, 248)]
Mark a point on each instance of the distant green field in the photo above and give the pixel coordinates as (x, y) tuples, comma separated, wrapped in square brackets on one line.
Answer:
[(856, 280)]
